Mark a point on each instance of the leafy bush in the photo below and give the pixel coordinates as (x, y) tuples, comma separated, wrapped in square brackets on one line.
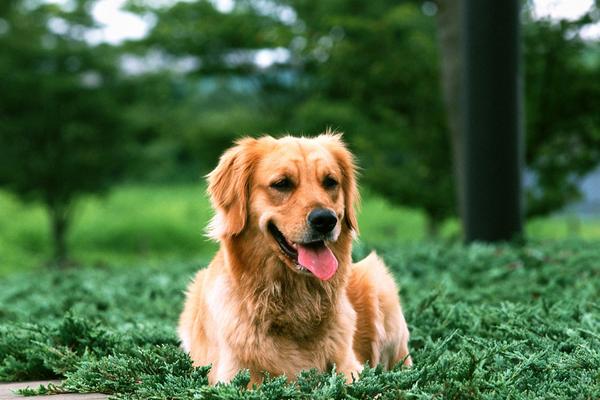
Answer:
[(62, 129), (486, 322)]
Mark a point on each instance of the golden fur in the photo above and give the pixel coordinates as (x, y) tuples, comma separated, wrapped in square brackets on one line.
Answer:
[(251, 309)]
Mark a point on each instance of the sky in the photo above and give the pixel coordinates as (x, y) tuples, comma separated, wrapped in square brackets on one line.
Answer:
[(119, 25)]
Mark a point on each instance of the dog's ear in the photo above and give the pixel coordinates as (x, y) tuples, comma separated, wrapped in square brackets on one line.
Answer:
[(345, 159), (229, 188)]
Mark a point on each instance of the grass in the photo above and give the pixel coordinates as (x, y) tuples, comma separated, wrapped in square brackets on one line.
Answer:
[(489, 322), (565, 226), (131, 224), (137, 223), (134, 224)]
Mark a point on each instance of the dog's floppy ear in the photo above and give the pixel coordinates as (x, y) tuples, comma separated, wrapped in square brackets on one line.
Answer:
[(347, 165), (229, 188)]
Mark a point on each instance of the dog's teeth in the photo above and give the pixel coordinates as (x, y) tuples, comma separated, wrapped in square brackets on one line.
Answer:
[(291, 244)]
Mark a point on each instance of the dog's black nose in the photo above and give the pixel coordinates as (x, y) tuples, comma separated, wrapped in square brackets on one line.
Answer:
[(322, 220)]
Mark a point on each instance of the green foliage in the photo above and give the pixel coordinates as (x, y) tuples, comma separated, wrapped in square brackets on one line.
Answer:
[(378, 62), (161, 223), (73, 120), (372, 71), (61, 132), (198, 28), (486, 322), (132, 224), (562, 78), (387, 101)]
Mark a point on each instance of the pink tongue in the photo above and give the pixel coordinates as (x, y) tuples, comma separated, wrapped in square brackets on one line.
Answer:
[(318, 260)]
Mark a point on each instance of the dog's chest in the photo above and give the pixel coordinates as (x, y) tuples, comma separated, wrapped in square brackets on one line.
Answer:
[(288, 318), (304, 332), (293, 338), (281, 350)]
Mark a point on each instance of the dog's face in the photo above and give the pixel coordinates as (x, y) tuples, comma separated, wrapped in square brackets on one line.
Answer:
[(298, 192)]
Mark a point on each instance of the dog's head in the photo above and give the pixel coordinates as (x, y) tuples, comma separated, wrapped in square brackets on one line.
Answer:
[(298, 195)]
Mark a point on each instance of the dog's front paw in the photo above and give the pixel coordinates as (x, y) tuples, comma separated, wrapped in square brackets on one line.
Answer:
[(351, 371)]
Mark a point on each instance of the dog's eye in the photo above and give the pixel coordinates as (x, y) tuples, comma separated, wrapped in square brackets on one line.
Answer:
[(283, 184), (329, 183)]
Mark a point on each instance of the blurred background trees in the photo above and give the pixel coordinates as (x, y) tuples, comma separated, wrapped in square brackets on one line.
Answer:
[(372, 70), (62, 128), (78, 115), (367, 69), (562, 93)]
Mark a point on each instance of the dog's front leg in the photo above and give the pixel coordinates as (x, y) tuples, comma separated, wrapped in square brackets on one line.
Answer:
[(225, 369), (349, 366)]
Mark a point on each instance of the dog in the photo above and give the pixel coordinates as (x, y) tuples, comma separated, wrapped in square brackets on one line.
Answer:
[(282, 294)]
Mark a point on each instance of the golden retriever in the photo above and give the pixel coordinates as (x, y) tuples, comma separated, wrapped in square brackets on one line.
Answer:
[(282, 294)]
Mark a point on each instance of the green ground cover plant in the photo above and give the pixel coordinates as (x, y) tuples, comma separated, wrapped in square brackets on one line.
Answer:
[(491, 322), (136, 223), (165, 224)]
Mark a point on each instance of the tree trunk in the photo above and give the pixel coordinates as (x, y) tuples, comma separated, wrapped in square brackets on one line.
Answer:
[(432, 226), (492, 117), (59, 220), (449, 24)]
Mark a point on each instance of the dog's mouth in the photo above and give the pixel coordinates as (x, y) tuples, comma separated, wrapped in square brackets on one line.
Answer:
[(313, 258)]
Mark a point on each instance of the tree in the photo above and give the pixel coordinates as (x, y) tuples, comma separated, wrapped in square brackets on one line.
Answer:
[(61, 131), (375, 75), (369, 70), (449, 35), (223, 93), (373, 70), (562, 84)]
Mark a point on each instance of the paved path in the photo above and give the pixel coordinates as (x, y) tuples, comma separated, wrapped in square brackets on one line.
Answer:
[(7, 392)]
